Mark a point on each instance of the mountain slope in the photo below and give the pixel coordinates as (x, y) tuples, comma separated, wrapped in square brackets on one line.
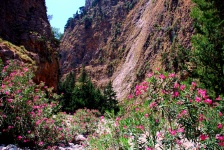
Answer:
[(123, 40)]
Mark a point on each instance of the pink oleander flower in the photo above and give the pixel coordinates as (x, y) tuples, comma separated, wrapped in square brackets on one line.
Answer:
[(176, 85), (182, 113), (118, 119), (219, 137), (25, 69), (19, 137), (221, 143), (146, 115), (152, 104), (208, 101), (141, 127), (173, 132), (41, 143), (136, 109), (218, 98), (7, 92), (201, 117), (148, 148), (10, 100), (193, 84), (102, 117), (182, 87), (138, 92), (180, 130), (162, 76), (203, 137), (171, 75), (176, 94), (220, 114), (219, 125), (130, 96), (197, 99), (202, 93), (150, 75)]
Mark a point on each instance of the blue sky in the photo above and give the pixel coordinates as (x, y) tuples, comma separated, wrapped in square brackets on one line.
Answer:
[(62, 10)]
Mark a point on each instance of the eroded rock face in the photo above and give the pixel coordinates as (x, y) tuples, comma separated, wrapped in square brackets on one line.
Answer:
[(24, 22), (122, 41)]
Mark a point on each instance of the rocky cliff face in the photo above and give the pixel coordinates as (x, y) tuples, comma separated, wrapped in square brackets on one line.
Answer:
[(122, 40), (24, 22)]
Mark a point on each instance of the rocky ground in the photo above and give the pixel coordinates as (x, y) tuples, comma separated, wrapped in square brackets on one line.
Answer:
[(62, 146)]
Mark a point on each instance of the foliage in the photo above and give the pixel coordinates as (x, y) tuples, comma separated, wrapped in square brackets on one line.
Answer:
[(82, 94), (208, 44), (28, 112), (172, 114), (66, 88), (70, 23), (109, 102), (57, 34)]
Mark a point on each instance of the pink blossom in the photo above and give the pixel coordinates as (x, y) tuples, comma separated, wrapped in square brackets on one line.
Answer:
[(152, 104), (118, 119), (10, 100), (41, 143), (125, 127), (38, 122), (140, 127), (150, 75), (176, 94), (203, 137), (193, 84), (201, 117), (197, 99), (219, 137), (171, 75), (25, 69), (218, 98), (19, 137), (173, 132), (180, 130), (208, 101), (221, 143), (202, 93), (7, 92), (148, 148), (130, 96), (159, 134), (138, 92), (176, 85), (162, 76), (146, 115), (220, 114), (182, 87), (182, 113), (219, 125), (102, 117), (136, 109)]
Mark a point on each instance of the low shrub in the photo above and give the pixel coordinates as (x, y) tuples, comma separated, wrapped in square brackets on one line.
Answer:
[(172, 114)]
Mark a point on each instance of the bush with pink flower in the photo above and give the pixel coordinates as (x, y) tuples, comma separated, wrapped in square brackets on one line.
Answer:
[(166, 113)]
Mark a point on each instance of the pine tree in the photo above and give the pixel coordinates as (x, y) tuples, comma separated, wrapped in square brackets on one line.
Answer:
[(109, 101), (208, 44), (67, 88)]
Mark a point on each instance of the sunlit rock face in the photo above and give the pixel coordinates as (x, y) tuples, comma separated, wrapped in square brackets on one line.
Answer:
[(24, 22), (122, 40)]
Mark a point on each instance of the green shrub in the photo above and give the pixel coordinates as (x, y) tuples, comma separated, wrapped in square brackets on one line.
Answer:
[(171, 114)]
